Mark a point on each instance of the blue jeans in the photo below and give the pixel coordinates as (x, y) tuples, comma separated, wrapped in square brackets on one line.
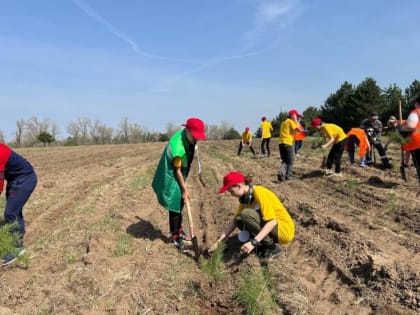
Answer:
[(18, 192)]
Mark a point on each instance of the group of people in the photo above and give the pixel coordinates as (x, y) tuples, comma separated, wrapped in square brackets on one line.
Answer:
[(368, 137), (262, 218), (264, 222)]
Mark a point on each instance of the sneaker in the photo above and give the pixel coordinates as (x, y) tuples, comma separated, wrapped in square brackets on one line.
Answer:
[(10, 257), (186, 239), (328, 172), (271, 253), (338, 174), (177, 241), (280, 177), (363, 164)]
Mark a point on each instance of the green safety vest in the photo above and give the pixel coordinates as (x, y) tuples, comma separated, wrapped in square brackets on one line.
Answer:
[(165, 184)]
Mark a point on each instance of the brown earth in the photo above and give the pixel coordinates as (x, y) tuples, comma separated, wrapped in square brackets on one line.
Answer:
[(97, 238)]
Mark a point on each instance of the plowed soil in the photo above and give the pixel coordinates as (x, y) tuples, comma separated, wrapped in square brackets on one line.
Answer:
[(97, 240)]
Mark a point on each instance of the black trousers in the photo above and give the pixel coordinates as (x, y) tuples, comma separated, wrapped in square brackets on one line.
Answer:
[(415, 154), (334, 157)]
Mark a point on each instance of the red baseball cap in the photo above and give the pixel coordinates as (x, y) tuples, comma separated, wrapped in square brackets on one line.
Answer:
[(196, 127), (316, 122), (230, 179), (294, 112), (247, 129)]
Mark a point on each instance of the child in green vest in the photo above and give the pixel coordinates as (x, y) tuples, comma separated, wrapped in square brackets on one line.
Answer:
[(172, 172)]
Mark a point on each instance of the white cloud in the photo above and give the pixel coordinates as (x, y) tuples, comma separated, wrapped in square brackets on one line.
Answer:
[(270, 16)]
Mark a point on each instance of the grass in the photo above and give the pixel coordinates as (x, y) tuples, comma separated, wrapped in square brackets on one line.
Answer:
[(217, 155), (255, 292), (142, 180), (8, 241), (213, 266), (392, 203), (124, 245)]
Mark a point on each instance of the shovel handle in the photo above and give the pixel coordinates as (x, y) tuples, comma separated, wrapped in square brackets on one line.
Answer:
[(190, 221)]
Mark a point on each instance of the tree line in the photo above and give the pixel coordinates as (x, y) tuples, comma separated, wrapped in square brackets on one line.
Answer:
[(350, 104), (346, 107)]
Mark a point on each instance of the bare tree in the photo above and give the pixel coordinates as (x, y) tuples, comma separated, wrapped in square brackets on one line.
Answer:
[(35, 127), (171, 129), (20, 125), (105, 134), (73, 129), (100, 133), (124, 130)]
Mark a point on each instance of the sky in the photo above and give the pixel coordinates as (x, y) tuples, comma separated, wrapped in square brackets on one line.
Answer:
[(159, 62)]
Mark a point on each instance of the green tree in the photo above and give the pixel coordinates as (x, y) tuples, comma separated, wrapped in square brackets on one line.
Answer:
[(411, 93), (276, 122), (367, 98), (391, 96), (339, 108), (232, 133), (46, 138)]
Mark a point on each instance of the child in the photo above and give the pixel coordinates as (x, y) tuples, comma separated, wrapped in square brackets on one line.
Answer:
[(261, 213), (332, 135), (171, 173)]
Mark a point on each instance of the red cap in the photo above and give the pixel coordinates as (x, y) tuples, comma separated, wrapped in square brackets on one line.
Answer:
[(247, 129), (232, 178), (316, 122), (263, 118), (294, 112), (196, 127)]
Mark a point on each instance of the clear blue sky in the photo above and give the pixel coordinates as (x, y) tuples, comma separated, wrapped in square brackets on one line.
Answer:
[(159, 62)]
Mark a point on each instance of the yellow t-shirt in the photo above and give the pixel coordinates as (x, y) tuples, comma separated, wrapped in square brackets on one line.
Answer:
[(287, 131), (266, 129), (247, 136), (333, 131), (271, 208)]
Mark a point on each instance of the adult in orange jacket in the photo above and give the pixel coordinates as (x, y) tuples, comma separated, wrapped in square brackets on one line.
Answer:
[(412, 126)]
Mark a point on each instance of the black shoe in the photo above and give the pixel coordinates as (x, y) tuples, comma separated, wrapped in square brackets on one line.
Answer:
[(280, 177), (271, 252)]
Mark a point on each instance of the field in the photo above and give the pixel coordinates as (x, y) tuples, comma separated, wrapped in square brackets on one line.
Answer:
[(97, 238)]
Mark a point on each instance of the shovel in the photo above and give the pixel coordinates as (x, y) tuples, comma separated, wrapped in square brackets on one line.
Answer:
[(193, 236)]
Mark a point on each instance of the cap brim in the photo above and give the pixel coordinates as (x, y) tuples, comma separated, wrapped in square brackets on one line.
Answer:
[(223, 189), (198, 135)]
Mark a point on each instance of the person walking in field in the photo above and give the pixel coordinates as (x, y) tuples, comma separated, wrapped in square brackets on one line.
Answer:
[(335, 136), (246, 140), (266, 129), (262, 218), (357, 136), (21, 182), (171, 174), (412, 127), (288, 128)]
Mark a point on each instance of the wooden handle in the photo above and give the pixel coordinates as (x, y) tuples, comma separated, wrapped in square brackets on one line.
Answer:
[(190, 221)]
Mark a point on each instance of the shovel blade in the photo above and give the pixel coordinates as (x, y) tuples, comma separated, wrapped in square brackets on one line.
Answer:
[(195, 247)]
